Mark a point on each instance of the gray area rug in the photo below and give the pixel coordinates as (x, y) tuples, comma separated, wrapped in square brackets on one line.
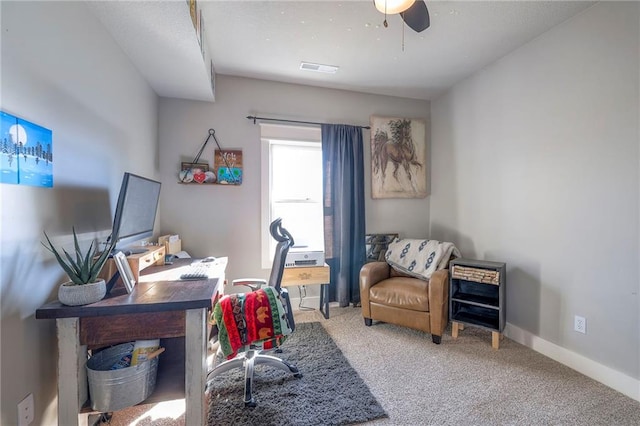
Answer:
[(329, 393)]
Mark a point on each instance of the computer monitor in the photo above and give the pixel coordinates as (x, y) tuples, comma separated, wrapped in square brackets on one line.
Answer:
[(135, 213)]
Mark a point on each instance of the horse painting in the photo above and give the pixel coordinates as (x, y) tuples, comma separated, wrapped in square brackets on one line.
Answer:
[(398, 150)]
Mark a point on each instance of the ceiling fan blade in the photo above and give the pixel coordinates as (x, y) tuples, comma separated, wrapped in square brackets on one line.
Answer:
[(417, 16)]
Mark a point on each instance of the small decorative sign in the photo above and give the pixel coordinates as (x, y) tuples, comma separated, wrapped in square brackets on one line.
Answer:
[(228, 166)]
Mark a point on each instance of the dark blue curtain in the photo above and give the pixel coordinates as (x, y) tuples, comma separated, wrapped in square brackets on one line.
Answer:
[(344, 218)]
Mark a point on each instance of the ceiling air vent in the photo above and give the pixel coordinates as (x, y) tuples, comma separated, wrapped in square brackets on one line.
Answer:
[(308, 66)]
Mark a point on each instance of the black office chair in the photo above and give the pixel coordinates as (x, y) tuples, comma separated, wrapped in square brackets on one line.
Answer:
[(251, 352)]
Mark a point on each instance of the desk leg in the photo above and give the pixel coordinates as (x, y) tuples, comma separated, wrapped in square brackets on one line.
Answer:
[(324, 300), (72, 375), (195, 366)]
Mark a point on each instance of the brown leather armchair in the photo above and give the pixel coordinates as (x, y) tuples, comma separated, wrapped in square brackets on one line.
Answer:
[(393, 297)]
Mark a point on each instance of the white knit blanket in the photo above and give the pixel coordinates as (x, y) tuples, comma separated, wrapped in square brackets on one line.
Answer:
[(420, 258)]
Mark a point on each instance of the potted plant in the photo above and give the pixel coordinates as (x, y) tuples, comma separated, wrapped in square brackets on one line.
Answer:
[(84, 286)]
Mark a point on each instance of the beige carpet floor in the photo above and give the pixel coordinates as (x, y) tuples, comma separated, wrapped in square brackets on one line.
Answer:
[(460, 382)]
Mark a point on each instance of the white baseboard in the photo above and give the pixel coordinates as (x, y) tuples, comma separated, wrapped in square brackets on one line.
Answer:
[(614, 379)]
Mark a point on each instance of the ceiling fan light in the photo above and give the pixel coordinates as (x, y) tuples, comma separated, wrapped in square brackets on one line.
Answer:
[(391, 7)]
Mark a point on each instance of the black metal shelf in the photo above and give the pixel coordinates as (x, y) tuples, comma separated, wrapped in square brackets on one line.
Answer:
[(478, 303), (473, 299), (476, 315)]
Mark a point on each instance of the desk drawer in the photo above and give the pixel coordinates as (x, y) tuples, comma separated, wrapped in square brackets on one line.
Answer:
[(108, 330), (154, 256), (305, 276)]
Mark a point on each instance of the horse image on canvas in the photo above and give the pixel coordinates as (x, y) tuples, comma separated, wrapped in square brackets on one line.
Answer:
[(398, 158)]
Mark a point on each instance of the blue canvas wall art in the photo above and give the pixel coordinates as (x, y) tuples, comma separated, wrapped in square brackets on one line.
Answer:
[(26, 156)]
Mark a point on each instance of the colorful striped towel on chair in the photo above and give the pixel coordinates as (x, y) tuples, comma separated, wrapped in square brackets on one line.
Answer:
[(257, 318)]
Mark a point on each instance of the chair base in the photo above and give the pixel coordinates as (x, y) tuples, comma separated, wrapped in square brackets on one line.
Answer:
[(249, 360)]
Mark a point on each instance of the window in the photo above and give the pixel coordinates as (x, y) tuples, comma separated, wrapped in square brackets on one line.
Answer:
[(292, 186)]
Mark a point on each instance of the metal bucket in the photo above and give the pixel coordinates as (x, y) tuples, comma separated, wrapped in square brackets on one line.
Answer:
[(112, 390)]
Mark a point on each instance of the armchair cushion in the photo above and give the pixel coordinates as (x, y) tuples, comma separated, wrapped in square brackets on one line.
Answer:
[(400, 292), (420, 258)]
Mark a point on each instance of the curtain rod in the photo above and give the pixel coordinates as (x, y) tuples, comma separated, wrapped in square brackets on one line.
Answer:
[(254, 118)]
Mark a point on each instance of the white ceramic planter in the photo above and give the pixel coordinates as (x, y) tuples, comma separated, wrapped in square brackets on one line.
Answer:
[(75, 295)]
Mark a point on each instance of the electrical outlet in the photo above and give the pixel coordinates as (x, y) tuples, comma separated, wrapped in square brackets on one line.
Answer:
[(580, 324), (25, 411)]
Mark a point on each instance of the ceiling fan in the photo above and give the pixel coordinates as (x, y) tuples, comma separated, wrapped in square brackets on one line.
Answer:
[(413, 12)]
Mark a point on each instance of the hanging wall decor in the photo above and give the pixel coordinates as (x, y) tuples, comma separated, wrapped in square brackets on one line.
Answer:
[(196, 172), (25, 152), (228, 166), (398, 158)]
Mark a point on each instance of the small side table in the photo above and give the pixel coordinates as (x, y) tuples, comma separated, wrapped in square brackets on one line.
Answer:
[(477, 296), (310, 275)]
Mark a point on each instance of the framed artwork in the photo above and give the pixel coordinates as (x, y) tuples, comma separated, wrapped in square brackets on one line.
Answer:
[(398, 158), (25, 152), (228, 166), (125, 271)]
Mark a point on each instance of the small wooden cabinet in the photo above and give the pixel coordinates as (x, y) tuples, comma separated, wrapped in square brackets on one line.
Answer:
[(310, 275), (477, 296), (153, 256)]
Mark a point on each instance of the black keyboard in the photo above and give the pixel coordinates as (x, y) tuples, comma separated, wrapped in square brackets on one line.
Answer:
[(196, 271)]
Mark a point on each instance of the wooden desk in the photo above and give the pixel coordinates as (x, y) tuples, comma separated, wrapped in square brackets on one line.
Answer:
[(155, 309), (310, 275)]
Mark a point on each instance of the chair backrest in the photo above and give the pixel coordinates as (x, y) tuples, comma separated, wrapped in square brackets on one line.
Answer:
[(285, 241)]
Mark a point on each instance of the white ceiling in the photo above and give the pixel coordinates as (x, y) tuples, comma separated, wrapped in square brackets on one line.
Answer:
[(268, 40)]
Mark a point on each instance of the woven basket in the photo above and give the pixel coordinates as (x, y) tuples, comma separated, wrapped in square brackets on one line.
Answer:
[(75, 295)]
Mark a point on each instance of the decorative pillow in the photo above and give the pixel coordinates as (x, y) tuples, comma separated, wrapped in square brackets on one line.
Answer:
[(420, 258)]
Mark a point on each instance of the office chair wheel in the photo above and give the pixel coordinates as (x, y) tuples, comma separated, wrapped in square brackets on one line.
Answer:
[(296, 373)]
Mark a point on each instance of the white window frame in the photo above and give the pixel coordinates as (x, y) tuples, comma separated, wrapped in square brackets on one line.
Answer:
[(277, 132)]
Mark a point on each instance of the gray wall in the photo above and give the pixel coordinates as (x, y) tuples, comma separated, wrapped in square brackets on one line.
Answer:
[(225, 220), (535, 163), (62, 71)]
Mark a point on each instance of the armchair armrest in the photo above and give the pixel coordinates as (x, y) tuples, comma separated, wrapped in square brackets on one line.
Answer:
[(439, 302), (370, 275), (252, 283)]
